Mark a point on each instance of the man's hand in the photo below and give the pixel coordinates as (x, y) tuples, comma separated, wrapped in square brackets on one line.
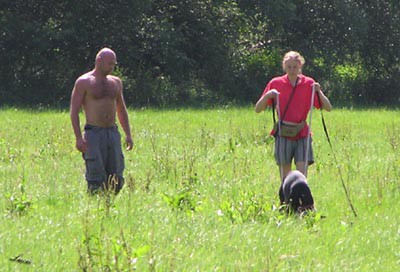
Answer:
[(81, 145), (129, 143)]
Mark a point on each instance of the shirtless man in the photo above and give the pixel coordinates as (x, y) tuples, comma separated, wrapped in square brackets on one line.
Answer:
[(100, 95)]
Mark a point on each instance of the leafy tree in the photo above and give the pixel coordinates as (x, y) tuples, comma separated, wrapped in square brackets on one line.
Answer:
[(190, 52)]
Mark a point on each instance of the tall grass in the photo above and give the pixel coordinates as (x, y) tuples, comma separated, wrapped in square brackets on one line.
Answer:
[(200, 194)]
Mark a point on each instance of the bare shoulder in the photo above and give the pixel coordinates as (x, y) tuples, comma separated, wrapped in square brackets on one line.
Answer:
[(84, 80), (115, 79)]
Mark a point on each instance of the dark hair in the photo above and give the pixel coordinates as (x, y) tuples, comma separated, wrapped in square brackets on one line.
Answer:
[(300, 197)]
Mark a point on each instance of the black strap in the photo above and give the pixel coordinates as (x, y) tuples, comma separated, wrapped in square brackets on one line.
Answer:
[(287, 105), (323, 121), (273, 111), (334, 157)]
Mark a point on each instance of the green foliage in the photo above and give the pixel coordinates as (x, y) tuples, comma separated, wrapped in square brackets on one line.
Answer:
[(197, 52), (257, 67), (349, 80), (100, 252), (18, 202), (249, 207), (201, 194), (347, 72), (183, 200)]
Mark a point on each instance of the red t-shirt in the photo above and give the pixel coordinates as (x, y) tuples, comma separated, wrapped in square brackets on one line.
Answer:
[(300, 103)]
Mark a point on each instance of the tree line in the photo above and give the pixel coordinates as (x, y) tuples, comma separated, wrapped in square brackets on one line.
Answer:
[(199, 52)]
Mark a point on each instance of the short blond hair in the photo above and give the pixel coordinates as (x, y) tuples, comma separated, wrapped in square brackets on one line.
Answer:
[(292, 55)]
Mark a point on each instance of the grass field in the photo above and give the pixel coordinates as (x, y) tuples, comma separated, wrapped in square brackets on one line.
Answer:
[(200, 195)]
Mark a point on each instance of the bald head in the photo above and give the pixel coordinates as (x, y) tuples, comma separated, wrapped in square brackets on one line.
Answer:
[(105, 52), (106, 59)]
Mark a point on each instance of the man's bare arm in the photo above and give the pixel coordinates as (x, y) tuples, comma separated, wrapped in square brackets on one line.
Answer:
[(123, 118), (78, 94)]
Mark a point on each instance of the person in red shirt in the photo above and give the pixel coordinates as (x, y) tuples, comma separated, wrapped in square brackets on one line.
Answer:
[(278, 92)]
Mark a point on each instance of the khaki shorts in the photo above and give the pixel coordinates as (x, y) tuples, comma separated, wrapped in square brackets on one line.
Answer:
[(286, 150), (104, 158)]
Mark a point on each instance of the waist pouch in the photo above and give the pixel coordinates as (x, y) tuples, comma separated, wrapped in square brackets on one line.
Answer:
[(288, 130)]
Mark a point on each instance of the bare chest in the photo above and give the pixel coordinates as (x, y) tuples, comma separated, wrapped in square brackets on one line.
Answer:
[(103, 89)]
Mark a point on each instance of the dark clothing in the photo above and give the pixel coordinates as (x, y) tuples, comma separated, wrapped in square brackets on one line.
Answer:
[(104, 159)]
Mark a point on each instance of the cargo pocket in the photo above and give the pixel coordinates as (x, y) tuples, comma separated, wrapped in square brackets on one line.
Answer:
[(120, 165), (94, 171)]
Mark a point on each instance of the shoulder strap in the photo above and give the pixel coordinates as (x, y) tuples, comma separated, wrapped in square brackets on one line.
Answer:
[(287, 105)]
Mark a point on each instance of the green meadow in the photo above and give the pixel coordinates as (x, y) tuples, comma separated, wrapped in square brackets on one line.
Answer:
[(200, 194)]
